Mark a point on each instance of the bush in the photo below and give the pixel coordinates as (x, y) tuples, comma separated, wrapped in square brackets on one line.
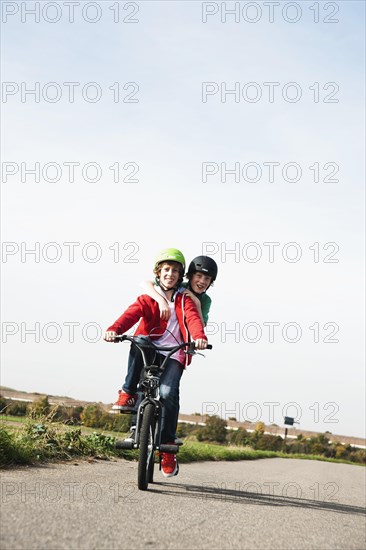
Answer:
[(18, 408), (40, 407), (358, 455), (12, 407), (259, 428), (239, 437), (40, 440), (68, 415), (95, 416), (3, 405), (10, 451), (185, 430), (62, 413), (215, 430), (321, 446), (256, 440), (297, 447), (268, 442)]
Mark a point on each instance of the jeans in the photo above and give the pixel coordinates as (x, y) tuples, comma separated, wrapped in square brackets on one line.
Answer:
[(134, 368), (169, 389)]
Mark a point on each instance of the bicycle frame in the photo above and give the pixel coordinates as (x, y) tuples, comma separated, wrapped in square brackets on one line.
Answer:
[(158, 411), (149, 385), (147, 435)]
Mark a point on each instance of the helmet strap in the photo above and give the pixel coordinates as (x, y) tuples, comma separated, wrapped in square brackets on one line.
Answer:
[(166, 289)]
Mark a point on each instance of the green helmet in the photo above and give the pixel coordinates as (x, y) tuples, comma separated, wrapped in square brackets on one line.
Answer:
[(170, 255)]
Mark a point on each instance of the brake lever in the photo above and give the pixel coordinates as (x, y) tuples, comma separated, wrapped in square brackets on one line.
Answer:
[(194, 352)]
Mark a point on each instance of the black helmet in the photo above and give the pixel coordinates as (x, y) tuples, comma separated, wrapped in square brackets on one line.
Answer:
[(203, 264)]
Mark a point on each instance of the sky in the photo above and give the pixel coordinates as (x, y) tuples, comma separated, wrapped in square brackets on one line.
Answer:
[(232, 129)]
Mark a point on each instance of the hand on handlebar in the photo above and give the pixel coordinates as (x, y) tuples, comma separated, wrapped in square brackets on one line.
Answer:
[(200, 343), (110, 336)]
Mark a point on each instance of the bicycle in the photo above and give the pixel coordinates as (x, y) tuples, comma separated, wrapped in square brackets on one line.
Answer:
[(146, 436)]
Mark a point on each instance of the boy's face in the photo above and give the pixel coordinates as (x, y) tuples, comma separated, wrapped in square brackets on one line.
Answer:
[(169, 275), (200, 282)]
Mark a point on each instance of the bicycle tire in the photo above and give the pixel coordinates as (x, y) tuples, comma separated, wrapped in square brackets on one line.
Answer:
[(151, 455), (150, 468), (146, 456)]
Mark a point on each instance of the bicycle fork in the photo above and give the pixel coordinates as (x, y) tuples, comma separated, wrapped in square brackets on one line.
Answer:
[(133, 442), (157, 415)]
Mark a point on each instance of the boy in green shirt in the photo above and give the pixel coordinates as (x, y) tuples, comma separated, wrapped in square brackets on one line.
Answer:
[(202, 272)]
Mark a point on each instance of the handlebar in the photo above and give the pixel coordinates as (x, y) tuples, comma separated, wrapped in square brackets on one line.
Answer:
[(144, 341)]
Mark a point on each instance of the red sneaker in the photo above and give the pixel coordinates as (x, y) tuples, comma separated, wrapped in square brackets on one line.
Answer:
[(125, 402), (169, 464)]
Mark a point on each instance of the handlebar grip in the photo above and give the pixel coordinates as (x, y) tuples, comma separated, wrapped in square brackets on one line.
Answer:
[(209, 346), (120, 338)]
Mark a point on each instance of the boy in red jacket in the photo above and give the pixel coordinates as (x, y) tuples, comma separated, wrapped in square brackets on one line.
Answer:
[(169, 270)]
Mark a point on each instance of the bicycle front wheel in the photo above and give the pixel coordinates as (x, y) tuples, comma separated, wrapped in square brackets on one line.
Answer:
[(146, 457)]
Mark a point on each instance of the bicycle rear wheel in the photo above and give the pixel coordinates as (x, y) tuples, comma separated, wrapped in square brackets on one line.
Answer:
[(146, 457)]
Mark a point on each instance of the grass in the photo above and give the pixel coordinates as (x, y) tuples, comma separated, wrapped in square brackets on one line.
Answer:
[(38, 440), (195, 451), (11, 418)]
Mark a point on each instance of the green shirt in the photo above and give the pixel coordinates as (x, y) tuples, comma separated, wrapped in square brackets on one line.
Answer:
[(205, 303)]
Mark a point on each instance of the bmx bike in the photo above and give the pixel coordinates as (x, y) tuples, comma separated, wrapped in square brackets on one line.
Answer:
[(147, 434)]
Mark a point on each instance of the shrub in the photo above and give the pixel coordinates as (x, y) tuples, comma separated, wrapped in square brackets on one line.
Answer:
[(40, 440), (358, 455), (10, 451), (18, 408), (184, 429), (3, 405), (40, 407), (68, 415), (13, 407), (215, 430), (268, 442), (95, 416), (259, 428), (239, 437)]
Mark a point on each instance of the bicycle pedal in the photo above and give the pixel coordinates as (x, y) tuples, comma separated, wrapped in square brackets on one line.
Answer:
[(164, 448), (125, 443)]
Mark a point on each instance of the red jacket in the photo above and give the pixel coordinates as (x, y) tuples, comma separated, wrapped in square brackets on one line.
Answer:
[(147, 309)]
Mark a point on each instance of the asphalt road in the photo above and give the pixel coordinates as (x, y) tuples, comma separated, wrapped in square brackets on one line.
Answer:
[(263, 504)]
